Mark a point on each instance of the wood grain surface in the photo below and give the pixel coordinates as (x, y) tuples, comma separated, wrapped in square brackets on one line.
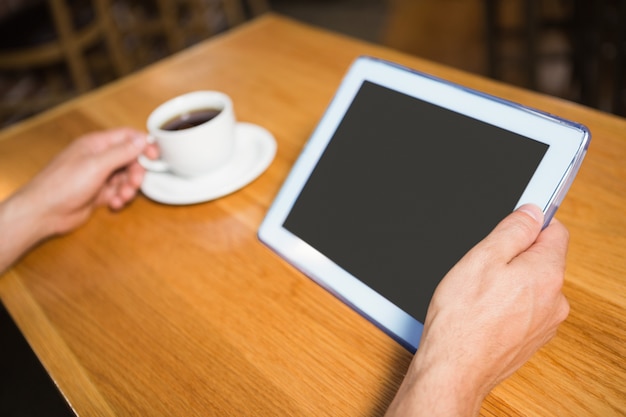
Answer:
[(180, 311)]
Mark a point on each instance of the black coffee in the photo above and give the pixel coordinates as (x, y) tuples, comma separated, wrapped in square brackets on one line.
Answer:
[(190, 119)]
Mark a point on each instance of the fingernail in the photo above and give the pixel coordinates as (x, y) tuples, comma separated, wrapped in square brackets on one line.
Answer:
[(533, 211)]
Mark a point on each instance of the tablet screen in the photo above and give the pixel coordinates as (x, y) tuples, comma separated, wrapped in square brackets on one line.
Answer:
[(405, 188)]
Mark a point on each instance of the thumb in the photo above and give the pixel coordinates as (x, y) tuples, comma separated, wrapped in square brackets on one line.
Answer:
[(516, 233), (122, 152)]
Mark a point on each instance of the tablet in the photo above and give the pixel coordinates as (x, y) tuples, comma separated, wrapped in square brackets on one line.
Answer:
[(403, 175)]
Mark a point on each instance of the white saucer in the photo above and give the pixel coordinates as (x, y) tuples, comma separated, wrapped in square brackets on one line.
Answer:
[(255, 148)]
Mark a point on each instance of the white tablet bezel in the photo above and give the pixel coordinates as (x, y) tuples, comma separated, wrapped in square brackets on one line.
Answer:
[(567, 142)]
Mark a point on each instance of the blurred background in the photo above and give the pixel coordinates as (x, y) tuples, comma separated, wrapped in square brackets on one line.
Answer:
[(53, 50)]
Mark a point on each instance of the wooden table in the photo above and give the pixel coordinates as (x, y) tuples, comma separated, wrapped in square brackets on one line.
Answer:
[(181, 311)]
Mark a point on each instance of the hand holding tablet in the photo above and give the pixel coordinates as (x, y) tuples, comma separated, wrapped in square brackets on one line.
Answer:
[(496, 307), (404, 174)]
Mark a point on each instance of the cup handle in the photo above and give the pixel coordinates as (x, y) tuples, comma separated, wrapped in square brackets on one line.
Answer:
[(157, 165)]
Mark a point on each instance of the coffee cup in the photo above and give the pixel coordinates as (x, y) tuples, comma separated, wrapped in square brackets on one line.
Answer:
[(194, 132)]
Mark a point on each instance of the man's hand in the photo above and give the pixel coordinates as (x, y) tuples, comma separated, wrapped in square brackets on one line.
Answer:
[(98, 169), (488, 316)]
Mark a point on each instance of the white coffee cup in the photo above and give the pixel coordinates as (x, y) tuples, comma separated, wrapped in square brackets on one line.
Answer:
[(197, 150)]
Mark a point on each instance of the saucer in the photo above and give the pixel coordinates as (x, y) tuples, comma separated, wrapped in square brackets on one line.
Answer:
[(255, 149)]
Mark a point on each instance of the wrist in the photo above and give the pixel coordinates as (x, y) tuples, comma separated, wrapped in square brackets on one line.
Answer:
[(21, 227), (435, 386)]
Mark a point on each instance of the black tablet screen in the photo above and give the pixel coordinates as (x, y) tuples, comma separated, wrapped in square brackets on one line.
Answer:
[(405, 188)]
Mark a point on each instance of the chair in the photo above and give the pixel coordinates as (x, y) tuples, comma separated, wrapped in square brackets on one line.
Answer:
[(90, 42), (66, 30), (601, 63), (589, 63), (449, 32), (518, 48), (619, 101), (152, 29)]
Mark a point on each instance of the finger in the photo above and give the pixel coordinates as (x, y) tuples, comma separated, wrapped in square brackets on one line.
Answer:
[(98, 142), (513, 235), (116, 203), (117, 179), (151, 151), (560, 314), (563, 309), (128, 180), (127, 192), (550, 249), (114, 197), (119, 135), (136, 173), (121, 153), (111, 187), (121, 190), (105, 195), (555, 236)]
